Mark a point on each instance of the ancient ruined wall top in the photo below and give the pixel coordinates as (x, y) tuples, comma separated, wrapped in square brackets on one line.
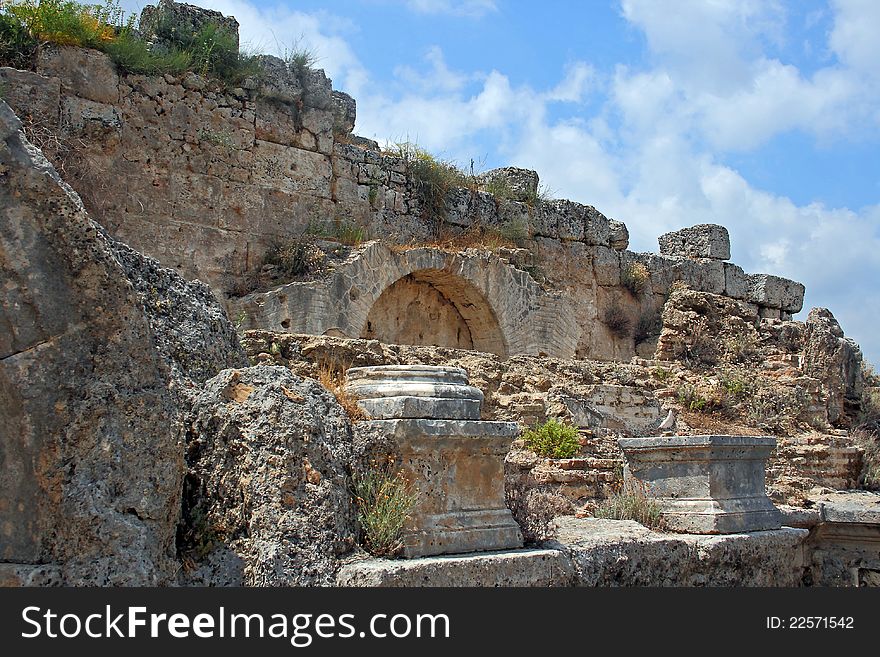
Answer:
[(216, 177)]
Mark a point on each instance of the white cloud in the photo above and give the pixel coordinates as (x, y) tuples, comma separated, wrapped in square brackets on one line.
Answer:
[(468, 8)]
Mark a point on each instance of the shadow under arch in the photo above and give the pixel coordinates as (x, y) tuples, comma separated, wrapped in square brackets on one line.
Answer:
[(435, 307)]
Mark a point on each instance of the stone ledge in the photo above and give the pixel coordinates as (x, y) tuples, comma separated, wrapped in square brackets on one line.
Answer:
[(625, 553), (508, 568)]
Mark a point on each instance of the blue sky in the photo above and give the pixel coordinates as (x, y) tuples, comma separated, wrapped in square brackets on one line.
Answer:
[(763, 116)]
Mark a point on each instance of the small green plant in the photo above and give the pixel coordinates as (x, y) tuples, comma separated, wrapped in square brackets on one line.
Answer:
[(131, 54), (661, 374), (299, 59), (631, 503), (553, 439), (515, 230), (385, 499), (338, 230), (634, 277), (692, 399), (617, 320)]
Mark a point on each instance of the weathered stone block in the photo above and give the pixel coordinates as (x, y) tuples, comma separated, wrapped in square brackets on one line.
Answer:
[(291, 169), (736, 282), (516, 184), (513, 568), (619, 236), (458, 468), (344, 112), (32, 95), (700, 241), (776, 292), (412, 391), (597, 227), (172, 22), (83, 72), (704, 484), (606, 266), (624, 553)]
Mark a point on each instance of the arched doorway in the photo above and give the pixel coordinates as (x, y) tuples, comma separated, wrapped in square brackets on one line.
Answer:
[(435, 307)]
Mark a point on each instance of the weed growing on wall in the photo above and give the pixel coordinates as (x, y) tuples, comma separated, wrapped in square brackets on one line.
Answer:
[(385, 499), (617, 320), (634, 277), (553, 438)]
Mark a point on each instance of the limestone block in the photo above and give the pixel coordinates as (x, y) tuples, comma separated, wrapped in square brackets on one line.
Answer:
[(458, 468), (606, 266), (291, 169), (32, 95), (277, 82), (507, 568), (344, 112), (736, 282), (619, 236), (625, 553), (179, 20), (704, 484), (275, 123), (597, 227), (777, 292), (317, 89), (83, 72), (412, 391), (700, 241), (544, 221), (87, 116), (518, 184)]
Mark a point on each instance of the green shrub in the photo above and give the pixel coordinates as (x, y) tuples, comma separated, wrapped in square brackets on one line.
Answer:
[(693, 400), (131, 54), (384, 500), (432, 179), (67, 23), (515, 230), (553, 438), (635, 277), (17, 46), (631, 503), (340, 231)]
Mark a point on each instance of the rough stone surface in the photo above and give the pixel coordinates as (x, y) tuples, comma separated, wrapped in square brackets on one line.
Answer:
[(94, 367), (512, 568), (267, 498), (845, 544), (171, 21), (409, 391), (457, 466), (832, 358), (700, 241), (522, 184), (624, 553), (704, 484)]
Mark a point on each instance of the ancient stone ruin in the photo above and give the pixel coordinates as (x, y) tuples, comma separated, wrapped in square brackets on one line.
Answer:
[(174, 350)]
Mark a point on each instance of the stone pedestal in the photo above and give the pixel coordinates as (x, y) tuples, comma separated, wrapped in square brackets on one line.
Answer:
[(455, 462), (704, 484)]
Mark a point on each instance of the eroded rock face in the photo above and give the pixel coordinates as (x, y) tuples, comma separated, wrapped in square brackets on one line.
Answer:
[(706, 328), (267, 496), (836, 361), (97, 349)]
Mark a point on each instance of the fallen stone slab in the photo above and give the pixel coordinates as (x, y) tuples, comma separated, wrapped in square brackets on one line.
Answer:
[(507, 568)]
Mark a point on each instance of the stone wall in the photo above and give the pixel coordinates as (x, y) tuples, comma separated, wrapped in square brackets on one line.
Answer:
[(215, 176)]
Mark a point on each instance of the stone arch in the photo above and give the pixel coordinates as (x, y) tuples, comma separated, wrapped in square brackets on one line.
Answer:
[(434, 307)]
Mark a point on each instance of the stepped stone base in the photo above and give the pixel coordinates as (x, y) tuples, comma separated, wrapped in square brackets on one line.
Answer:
[(508, 568)]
